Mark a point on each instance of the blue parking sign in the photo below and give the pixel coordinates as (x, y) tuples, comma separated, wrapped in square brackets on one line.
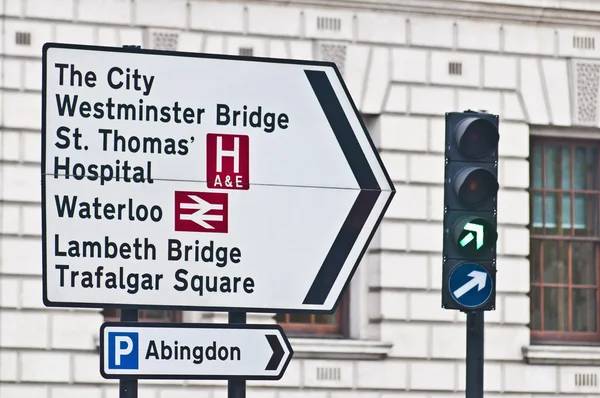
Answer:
[(123, 350)]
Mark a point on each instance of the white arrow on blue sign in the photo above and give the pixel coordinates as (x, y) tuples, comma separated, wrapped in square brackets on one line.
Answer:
[(470, 285)]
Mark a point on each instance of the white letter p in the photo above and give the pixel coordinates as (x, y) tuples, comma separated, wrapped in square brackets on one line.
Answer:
[(120, 350)]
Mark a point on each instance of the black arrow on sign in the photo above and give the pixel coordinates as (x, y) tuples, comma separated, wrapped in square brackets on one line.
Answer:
[(366, 199), (277, 352)]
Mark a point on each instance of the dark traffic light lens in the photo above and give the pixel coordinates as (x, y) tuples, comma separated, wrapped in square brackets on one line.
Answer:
[(475, 185), (476, 137)]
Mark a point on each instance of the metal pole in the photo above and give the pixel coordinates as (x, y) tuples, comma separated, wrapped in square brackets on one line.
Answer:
[(474, 384), (128, 387), (236, 388)]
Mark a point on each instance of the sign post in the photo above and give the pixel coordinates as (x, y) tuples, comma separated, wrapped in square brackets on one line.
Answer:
[(128, 387), (202, 182), (236, 388)]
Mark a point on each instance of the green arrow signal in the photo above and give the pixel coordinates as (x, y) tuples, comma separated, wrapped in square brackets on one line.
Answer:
[(478, 230), (468, 238)]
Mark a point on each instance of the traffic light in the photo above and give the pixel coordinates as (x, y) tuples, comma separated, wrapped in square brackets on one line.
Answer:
[(470, 205)]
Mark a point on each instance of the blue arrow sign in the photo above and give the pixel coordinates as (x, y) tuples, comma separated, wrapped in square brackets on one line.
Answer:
[(470, 284)]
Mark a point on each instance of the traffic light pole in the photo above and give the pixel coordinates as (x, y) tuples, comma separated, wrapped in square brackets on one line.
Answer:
[(474, 384)]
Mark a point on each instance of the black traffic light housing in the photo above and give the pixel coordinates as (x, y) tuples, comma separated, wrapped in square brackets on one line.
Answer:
[(470, 201)]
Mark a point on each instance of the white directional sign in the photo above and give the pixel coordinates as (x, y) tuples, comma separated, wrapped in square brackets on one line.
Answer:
[(193, 351), (201, 181)]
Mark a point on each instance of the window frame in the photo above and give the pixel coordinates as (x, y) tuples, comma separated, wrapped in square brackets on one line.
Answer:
[(114, 315), (537, 242), (340, 329)]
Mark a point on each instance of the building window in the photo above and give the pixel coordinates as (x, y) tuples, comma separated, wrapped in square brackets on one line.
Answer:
[(114, 314), (565, 240), (314, 325)]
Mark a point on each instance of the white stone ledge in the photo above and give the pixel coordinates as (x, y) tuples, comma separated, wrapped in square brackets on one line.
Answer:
[(313, 348), (562, 355)]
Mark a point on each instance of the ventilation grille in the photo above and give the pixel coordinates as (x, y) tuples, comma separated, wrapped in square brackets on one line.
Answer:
[(455, 68), (335, 53), (584, 43), (586, 379), (23, 38), (246, 51), (329, 374), (587, 84), (329, 23), (160, 40)]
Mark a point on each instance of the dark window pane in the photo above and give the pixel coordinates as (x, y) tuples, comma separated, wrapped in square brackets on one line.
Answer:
[(551, 172), (538, 210), (563, 263), (536, 165), (583, 263), (325, 319), (555, 262), (535, 308), (281, 318), (555, 309), (565, 168), (111, 313), (592, 215), (584, 310), (551, 210), (580, 170), (586, 215), (579, 211), (592, 169), (319, 324), (145, 315), (535, 265), (300, 318), (585, 168), (159, 315), (566, 213)]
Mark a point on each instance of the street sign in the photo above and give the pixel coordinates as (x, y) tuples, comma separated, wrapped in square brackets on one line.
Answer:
[(193, 351), (470, 285), (202, 182)]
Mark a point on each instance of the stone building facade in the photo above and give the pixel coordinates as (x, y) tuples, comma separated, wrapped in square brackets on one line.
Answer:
[(406, 63)]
